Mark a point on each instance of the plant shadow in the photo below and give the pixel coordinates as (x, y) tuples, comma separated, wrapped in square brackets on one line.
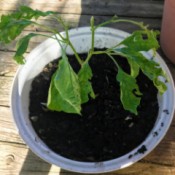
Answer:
[(34, 165)]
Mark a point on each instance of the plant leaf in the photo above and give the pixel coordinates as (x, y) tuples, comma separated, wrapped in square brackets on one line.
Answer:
[(28, 13), (22, 47), (149, 67), (132, 47), (84, 76), (142, 40), (134, 68), (64, 91), (12, 28), (128, 86), (12, 25)]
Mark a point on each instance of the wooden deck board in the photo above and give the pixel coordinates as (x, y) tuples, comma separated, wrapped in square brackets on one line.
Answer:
[(16, 158), (79, 20), (145, 8)]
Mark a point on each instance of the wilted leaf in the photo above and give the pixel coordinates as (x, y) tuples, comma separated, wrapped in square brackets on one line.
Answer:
[(12, 28), (12, 25), (28, 13), (64, 91), (84, 76), (142, 40), (128, 86), (149, 67), (134, 68), (22, 47)]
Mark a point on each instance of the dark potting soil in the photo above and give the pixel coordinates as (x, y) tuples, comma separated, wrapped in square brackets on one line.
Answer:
[(105, 130)]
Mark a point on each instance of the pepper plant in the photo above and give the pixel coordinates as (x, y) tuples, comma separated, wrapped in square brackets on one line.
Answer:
[(68, 90)]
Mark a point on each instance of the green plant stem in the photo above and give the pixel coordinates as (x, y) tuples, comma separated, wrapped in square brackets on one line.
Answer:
[(114, 20), (45, 35), (118, 53), (76, 54), (63, 40), (109, 52), (56, 38), (115, 62), (93, 28), (50, 30), (93, 34), (90, 53), (99, 52), (67, 39)]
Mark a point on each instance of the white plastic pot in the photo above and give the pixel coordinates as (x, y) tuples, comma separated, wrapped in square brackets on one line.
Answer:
[(50, 50)]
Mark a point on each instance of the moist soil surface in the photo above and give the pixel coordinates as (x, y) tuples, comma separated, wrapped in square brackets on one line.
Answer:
[(105, 130)]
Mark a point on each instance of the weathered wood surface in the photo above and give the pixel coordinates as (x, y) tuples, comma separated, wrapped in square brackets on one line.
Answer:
[(146, 8), (15, 157)]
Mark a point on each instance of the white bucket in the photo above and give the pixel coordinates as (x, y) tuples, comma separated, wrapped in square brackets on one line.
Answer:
[(50, 50)]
